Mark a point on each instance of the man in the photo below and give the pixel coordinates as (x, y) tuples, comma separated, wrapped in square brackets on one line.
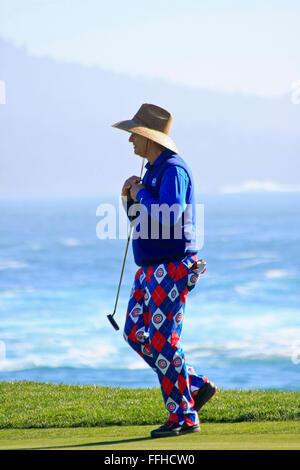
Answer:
[(164, 246)]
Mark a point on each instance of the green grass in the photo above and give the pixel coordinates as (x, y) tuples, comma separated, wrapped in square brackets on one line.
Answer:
[(247, 435), (25, 405)]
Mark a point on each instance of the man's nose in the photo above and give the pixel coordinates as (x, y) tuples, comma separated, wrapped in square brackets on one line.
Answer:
[(131, 138)]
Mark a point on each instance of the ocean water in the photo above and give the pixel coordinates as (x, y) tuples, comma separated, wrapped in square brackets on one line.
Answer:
[(58, 282)]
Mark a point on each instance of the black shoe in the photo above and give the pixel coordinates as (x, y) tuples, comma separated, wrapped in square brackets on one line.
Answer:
[(174, 429), (205, 393)]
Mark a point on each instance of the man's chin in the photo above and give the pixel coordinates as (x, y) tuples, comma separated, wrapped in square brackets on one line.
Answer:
[(138, 153)]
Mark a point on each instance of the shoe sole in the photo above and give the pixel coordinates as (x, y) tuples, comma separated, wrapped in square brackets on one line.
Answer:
[(174, 433), (209, 395)]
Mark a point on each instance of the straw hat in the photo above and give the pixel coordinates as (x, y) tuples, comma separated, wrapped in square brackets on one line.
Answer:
[(152, 122)]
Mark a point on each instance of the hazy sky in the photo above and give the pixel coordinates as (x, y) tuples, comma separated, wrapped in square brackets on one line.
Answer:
[(248, 45)]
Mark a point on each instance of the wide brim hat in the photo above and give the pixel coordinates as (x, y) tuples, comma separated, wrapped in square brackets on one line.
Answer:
[(151, 122)]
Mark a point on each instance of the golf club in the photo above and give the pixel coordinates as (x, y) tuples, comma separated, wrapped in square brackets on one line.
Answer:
[(111, 316)]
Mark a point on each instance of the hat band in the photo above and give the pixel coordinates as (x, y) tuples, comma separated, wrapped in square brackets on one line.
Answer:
[(137, 118)]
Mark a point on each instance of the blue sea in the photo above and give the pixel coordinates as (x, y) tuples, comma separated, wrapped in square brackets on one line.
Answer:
[(58, 282)]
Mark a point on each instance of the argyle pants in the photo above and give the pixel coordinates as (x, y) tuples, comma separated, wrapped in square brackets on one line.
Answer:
[(153, 326)]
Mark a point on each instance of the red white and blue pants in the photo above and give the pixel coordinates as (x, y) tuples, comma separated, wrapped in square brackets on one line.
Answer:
[(153, 326)]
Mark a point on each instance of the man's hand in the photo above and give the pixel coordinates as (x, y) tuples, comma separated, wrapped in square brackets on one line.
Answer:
[(135, 188), (128, 184)]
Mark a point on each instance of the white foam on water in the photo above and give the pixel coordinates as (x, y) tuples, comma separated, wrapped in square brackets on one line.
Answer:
[(14, 293), (255, 322), (97, 354), (248, 288), (140, 364), (255, 254), (8, 294), (70, 241), (249, 263), (276, 273), (261, 345), (260, 186), (34, 246), (12, 264), (245, 255), (239, 331)]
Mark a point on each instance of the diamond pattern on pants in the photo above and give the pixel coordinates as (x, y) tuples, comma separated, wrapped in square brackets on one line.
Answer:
[(158, 341), (135, 312), (171, 405), (146, 349), (138, 294), (142, 277), (140, 335), (158, 318), (184, 404), (146, 296), (162, 363), (181, 384), (173, 294), (192, 279), (160, 273), (177, 362), (178, 317), (167, 385), (158, 295)]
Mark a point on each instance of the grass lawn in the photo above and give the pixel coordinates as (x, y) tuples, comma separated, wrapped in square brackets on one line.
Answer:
[(39, 415), (282, 435)]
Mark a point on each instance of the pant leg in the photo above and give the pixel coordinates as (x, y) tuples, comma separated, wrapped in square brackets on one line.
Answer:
[(168, 288), (138, 317), (195, 380), (138, 320)]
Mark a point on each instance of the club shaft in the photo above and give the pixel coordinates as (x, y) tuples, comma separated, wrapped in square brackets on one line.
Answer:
[(123, 266)]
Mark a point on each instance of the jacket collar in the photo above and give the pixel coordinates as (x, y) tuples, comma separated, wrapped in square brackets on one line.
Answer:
[(160, 159)]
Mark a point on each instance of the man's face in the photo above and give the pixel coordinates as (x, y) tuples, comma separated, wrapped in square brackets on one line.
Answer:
[(139, 144)]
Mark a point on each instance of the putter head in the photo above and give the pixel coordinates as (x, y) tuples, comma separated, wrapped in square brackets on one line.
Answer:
[(113, 322)]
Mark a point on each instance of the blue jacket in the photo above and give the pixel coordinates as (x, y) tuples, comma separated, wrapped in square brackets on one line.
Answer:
[(156, 238)]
